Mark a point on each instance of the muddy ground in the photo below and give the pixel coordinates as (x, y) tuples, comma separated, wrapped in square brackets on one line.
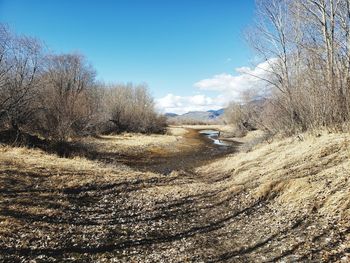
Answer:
[(175, 216), (193, 150)]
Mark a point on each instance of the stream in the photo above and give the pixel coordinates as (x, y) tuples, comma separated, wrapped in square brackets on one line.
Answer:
[(214, 136)]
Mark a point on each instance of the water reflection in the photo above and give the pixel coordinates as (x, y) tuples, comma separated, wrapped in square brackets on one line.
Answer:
[(214, 136)]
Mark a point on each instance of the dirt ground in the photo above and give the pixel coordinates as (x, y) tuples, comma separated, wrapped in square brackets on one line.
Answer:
[(287, 201)]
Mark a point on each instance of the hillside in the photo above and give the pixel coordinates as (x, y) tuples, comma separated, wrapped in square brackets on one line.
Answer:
[(288, 201)]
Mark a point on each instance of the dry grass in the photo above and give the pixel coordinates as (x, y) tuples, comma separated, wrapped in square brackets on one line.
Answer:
[(299, 172), (135, 142), (176, 131), (313, 172), (63, 172), (289, 199)]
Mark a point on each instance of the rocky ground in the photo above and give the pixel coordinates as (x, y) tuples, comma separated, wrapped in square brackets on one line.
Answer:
[(242, 208)]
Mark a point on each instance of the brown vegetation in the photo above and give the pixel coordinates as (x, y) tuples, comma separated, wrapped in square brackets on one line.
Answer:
[(66, 97), (288, 201), (244, 117), (131, 108)]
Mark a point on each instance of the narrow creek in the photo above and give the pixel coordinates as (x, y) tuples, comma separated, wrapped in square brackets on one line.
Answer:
[(214, 135)]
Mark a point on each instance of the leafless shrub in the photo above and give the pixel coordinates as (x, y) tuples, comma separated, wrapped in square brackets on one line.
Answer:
[(67, 101), (131, 108), (245, 115), (20, 66)]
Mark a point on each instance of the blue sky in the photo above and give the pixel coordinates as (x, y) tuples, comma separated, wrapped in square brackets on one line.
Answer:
[(172, 45)]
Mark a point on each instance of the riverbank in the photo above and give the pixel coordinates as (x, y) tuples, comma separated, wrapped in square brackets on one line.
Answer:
[(283, 201)]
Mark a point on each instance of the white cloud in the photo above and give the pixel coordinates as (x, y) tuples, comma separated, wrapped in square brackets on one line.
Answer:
[(233, 86), (200, 100), (229, 88)]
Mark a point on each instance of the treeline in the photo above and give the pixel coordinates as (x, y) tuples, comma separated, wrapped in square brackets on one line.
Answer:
[(180, 120), (57, 96), (307, 47)]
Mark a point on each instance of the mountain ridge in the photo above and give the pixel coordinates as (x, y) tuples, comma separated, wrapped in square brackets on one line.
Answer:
[(202, 116)]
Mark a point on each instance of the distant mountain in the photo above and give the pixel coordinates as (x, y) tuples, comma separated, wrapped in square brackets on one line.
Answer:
[(217, 113), (196, 116), (169, 114)]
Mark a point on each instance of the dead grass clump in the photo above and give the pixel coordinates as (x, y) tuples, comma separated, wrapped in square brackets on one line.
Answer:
[(326, 151), (294, 173), (270, 190)]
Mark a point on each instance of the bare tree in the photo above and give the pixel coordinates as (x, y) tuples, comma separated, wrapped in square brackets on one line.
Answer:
[(67, 97), (131, 108), (307, 46), (20, 65), (245, 115)]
